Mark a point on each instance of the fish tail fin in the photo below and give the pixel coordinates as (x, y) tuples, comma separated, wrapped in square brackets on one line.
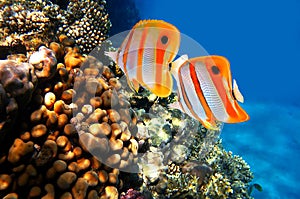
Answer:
[(112, 55), (236, 92)]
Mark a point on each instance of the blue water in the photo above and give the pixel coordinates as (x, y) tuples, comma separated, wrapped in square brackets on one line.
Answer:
[(262, 41)]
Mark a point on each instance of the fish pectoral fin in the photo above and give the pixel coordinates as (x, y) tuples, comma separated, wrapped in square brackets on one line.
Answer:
[(174, 66), (175, 105), (236, 92), (112, 55)]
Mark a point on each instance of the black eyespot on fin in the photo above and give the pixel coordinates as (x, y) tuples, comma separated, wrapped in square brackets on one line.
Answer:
[(233, 95), (215, 70), (170, 66), (164, 39)]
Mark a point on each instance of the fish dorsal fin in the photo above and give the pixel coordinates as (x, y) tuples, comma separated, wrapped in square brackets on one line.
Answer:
[(175, 65), (142, 23), (153, 23), (236, 92)]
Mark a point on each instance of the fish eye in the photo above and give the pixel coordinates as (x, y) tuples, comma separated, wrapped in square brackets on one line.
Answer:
[(215, 70), (164, 39)]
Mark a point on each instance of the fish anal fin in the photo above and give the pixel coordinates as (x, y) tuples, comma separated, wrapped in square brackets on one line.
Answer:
[(210, 125), (135, 84), (174, 66), (175, 105), (236, 92), (159, 89)]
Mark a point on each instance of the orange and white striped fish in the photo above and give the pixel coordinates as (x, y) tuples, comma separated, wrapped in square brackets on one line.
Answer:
[(205, 90), (145, 55)]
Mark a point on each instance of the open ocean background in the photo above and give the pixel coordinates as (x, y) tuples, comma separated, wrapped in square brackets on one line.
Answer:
[(261, 39)]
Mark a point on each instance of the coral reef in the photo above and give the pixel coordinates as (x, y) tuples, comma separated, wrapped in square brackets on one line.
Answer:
[(132, 194), (48, 158), (25, 25), (192, 162), (44, 62), (81, 133), (88, 24), (17, 84), (104, 120), (231, 176)]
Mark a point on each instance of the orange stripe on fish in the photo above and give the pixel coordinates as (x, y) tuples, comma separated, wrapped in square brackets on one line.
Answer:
[(188, 98), (154, 44), (219, 70), (209, 85), (126, 50), (210, 118), (141, 51), (210, 92)]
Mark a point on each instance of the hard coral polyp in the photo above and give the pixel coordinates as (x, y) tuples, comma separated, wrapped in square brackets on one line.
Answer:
[(44, 62), (18, 150)]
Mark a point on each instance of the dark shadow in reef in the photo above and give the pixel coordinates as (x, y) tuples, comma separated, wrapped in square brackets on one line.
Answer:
[(63, 4), (123, 14)]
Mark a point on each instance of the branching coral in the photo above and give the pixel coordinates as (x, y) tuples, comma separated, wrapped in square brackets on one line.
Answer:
[(90, 23), (31, 23)]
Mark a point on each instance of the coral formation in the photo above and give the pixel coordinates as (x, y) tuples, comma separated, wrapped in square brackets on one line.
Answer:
[(107, 130), (25, 25), (81, 133), (17, 84), (44, 62), (132, 194), (88, 24), (28, 24), (192, 162), (48, 157)]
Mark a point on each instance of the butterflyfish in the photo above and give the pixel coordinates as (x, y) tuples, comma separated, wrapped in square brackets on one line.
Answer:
[(145, 55), (206, 92)]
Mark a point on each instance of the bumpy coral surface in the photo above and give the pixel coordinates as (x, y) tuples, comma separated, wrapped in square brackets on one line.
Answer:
[(17, 83), (90, 23), (192, 163), (31, 23), (48, 158)]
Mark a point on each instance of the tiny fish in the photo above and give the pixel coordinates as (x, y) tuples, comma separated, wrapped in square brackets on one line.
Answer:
[(206, 92), (145, 55)]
